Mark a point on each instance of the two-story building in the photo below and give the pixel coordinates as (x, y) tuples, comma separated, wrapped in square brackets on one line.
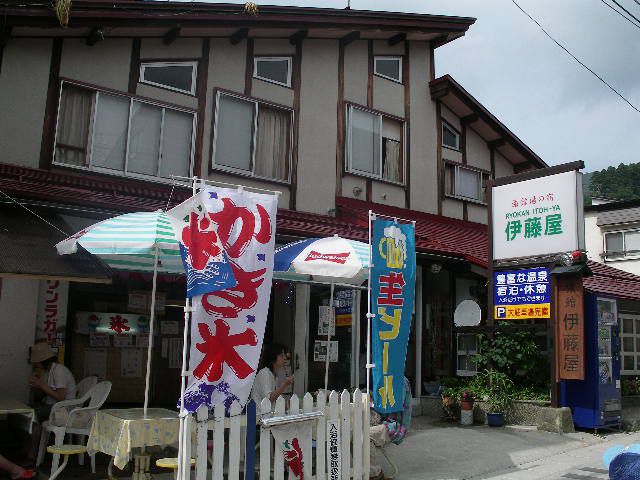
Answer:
[(339, 110)]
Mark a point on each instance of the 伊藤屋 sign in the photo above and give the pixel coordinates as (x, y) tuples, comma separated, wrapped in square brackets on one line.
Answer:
[(522, 294), (570, 329), (537, 217)]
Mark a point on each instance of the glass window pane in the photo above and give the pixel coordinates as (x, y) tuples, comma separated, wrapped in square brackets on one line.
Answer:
[(179, 77), (234, 134), (468, 184), (176, 144), (637, 344), (628, 362), (144, 142), (449, 179), (463, 362), (110, 132), (632, 242), (276, 70), (627, 344), (272, 143), (614, 244), (365, 141), (637, 331), (449, 137), (627, 325), (73, 125), (389, 67)]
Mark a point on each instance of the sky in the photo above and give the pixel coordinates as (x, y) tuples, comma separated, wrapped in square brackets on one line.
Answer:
[(547, 99)]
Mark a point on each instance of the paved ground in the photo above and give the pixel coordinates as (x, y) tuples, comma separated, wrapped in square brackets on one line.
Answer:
[(441, 451)]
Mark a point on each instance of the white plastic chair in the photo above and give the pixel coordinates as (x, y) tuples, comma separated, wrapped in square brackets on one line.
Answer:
[(84, 385), (70, 417)]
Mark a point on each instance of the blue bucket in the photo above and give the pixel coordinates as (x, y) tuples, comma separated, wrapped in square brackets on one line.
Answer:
[(495, 419)]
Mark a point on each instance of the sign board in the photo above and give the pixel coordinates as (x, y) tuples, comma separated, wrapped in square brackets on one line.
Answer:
[(570, 329), (111, 323), (52, 314), (467, 314), (538, 217), (344, 306), (324, 318), (334, 452), (521, 294)]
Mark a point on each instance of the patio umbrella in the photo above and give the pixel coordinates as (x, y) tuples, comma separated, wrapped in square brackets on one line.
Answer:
[(143, 241), (324, 260)]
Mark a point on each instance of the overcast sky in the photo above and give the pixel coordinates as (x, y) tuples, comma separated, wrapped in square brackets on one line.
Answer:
[(553, 104)]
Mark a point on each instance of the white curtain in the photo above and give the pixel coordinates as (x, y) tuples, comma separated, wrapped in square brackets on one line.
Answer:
[(392, 160), (365, 141), (144, 140), (272, 143), (73, 126), (110, 132), (176, 144)]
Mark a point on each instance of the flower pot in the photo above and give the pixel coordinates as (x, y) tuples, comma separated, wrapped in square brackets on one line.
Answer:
[(466, 404), (495, 419)]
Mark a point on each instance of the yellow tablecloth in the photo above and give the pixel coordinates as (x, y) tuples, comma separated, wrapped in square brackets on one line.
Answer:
[(117, 432), (9, 406)]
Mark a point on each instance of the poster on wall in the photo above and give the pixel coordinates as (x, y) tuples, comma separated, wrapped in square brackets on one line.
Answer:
[(344, 307), (131, 362), (324, 318), (320, 351), (51, 319), (95, 363), (99, 339)]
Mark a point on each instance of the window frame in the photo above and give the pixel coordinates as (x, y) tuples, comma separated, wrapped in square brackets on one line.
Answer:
[(272, 58), (457, 166), (466, 353), (348, 148), (635, 335), (194, 75), (453, 130), (238, 171), (635, 254), (88, 165), (388, 57)]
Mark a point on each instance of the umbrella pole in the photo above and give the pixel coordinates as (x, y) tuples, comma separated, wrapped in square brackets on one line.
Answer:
[(369, 313), (151, 322), (326, 370)]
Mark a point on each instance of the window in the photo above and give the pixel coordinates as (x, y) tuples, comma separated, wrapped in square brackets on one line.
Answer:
[(375, 145), (630, 339), (273, 69), (389, 68), (111, 132), (467, 349), (465, 183), (178, 76), (252, 137), (450, 136), (621, 245)]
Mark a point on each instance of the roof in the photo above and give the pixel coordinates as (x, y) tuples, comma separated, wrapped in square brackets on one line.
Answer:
[(611, 282), (464, 105), (125, 17), (612, 205)]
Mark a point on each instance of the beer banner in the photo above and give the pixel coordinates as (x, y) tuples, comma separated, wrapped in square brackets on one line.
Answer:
[(228, 325), (393, 278)]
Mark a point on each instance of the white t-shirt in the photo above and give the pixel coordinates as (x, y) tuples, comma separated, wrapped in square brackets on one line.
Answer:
[(263, 385), (58, 377)]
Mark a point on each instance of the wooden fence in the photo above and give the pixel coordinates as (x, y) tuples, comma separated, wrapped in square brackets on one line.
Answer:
[(229, 447)]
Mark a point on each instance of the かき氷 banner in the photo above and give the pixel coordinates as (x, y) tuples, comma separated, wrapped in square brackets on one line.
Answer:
[(393, 278)]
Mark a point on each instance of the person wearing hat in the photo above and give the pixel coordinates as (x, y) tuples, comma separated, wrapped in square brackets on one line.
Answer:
[(54, 385)]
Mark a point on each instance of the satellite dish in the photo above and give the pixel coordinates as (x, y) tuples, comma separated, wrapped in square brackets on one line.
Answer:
[(467, 314)]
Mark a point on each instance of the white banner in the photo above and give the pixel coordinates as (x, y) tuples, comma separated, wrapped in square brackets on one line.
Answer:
[(52, 312), (294, 439), (228, 325), (334, 450)]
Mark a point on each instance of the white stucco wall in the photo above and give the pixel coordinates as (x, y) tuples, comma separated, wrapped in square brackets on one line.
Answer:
[(593, 238), (106, 63)]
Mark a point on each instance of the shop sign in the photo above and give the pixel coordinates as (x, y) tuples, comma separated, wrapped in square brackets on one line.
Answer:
[(111, 323), (334, 453), (542, 216), (522, 294), (393, 278), (52, 314), (570, 329), (344, 306)]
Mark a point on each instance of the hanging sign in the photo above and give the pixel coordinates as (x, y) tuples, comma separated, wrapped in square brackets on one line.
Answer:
[(111, 323), (393, 278), (334, 451), (570, 329), (522, 294), (344, 306), (228, 325), (52, 314), (294, 439), (542, 216)]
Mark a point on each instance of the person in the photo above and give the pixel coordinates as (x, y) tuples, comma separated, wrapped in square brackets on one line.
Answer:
[(283, 373), (264, 385), (56, 384), (15, 471)]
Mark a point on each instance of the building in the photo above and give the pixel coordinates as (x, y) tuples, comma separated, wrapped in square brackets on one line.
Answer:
[(339, 110)]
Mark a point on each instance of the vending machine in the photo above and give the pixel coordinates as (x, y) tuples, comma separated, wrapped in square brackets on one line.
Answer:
[(596, 401)]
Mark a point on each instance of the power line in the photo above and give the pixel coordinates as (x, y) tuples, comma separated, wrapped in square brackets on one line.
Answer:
[(637, 2), (621, 14), (626, 11), (576, 58)]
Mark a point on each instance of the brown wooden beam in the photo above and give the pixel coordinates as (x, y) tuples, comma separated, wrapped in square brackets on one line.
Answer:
[(350, 38), (466, 120), (298, 36), (399, 38), (95, 35), (439, 41), (500, 142), (239, 35), (172, 35), (521, 167)]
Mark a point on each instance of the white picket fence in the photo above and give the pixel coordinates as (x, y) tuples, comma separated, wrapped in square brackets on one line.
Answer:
[(234, 439)]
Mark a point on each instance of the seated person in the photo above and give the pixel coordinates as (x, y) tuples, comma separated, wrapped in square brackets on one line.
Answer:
[(264, 386), (54, 385)]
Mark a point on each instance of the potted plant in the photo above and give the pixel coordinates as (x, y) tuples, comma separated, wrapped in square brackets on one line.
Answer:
[(496, 389), (466, 400)]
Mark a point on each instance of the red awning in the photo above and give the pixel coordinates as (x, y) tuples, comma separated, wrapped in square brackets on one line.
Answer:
[(612, 282)]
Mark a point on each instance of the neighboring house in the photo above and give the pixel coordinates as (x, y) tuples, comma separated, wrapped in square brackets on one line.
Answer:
[(339, 110)]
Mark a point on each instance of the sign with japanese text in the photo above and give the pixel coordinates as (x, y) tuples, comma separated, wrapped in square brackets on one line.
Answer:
[(542, 216), (111, 323), (570, 329), (334, 452), (228, 325), (344, 306), (393, 278), (52, 314), (521, 294)]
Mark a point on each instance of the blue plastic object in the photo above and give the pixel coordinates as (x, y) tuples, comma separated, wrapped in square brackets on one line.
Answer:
[(625, 466), (495, 419), (611, 453)]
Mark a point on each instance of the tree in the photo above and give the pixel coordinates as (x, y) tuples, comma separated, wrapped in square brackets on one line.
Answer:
[(616, 183)]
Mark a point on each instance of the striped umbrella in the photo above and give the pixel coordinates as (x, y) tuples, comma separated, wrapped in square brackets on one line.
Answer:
[(128, 242)]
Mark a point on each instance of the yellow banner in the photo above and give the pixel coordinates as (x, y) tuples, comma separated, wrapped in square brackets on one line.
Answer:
[(522, 312)]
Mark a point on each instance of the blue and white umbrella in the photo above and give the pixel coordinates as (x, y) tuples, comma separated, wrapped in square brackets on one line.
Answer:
[(327, 260)]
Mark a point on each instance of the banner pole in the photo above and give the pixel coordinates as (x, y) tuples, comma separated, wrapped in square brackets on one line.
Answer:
[(369, 314), (326, 369), (151, 321)]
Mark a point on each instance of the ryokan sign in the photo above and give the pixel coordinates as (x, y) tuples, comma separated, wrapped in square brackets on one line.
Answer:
[(538, 217)]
